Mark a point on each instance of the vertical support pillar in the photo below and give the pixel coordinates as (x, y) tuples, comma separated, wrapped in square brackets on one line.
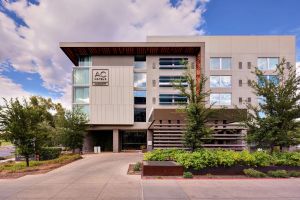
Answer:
[(198, 71), (149, 140), (115, 140)]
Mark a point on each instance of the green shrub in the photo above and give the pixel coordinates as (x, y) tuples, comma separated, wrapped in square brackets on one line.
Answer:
[(137, 166), (49, 153), (162, 154), (262, 158), (187, 175), (278, 174), (214, 158), (254, 173), (294, 174), (287, 158)]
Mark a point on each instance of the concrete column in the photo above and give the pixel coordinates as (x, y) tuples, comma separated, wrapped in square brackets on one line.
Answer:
[(88, 145), (149, 140), (115, 140)]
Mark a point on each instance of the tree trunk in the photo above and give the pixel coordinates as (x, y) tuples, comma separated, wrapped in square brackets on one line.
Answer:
[(27, 161)]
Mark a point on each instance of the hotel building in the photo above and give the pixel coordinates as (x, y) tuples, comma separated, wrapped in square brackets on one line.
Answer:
[(126, 87)]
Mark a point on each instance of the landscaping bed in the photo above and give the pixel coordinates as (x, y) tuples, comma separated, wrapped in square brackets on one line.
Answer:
[(135, 169), (230, 163), (239, 170), (19, 169)]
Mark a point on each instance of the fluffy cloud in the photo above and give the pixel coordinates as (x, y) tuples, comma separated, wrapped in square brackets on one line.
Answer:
[(35, 48), (10, 89)]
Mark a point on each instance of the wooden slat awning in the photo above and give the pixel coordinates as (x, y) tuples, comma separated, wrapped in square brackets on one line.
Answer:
[(75, 49)]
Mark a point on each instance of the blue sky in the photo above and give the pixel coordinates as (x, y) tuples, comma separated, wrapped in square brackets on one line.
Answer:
[(32, 62)]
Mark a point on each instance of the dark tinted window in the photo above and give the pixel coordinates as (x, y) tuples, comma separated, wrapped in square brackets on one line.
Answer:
[(140, 97), (172, 63), (139, 114)]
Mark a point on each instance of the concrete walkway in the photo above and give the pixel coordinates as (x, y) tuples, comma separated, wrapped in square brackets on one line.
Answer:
[(104, 177)]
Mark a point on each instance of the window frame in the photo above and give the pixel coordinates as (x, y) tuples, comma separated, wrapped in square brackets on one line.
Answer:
[(267, 62), (218, 103), (220, 67), (220, 77)]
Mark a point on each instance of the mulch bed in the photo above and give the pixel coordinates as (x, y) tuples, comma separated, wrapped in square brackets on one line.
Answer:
[(131, 171), (32, 171)]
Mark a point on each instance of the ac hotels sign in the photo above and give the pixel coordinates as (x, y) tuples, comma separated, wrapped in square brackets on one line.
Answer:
[(100, 77)]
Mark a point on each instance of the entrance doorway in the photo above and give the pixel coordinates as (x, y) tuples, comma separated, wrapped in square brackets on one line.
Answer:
[(133, 140), (104, 139)]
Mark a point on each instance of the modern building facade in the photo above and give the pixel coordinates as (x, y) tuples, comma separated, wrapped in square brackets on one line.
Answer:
[(126, 87)]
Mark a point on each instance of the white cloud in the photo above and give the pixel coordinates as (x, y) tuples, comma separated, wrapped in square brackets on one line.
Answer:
[(9, 89), (54, 21)]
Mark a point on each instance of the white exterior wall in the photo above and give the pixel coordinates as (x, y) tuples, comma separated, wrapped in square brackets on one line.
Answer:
[(112, 104), (241, 49)]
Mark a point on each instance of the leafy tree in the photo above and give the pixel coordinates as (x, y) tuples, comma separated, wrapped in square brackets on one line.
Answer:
[(73, 128), (15, 125), (28, 124), (273, 121), (197, 112)]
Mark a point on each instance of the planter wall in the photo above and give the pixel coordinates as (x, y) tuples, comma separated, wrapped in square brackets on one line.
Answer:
[(161, 168)]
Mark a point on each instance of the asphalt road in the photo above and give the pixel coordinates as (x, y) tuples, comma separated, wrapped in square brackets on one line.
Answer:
[(104, 177)]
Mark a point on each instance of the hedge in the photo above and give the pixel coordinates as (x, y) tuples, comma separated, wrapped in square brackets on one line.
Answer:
[(214, 158), (49, 153)]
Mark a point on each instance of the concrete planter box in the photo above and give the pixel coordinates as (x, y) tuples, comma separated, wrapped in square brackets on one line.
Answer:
[(238, 170), (161, 168)]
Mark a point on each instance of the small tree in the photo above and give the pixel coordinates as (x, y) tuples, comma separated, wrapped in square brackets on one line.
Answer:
[(15, 126), (273, 122), (73, 128), (197, 113), (28, 124)]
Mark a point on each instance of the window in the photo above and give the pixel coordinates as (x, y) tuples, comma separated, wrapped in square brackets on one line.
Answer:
[(220, 98), (261, 100), (249, 82), (249, 65), (220, 81), (172, 63), (220, 63), (139, 114), (139, 97), (240, 100), (272, 78), (140, 81), (172, 99), (81, 95), (85, 61), (139, 62), (133, 140), (249, 99), (240, 65), (168, 81), (83, 108), (240, 83), (267, 63), (81, 76)]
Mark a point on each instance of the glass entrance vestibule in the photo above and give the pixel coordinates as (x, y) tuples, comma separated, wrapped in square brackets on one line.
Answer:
[(133, 140)]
